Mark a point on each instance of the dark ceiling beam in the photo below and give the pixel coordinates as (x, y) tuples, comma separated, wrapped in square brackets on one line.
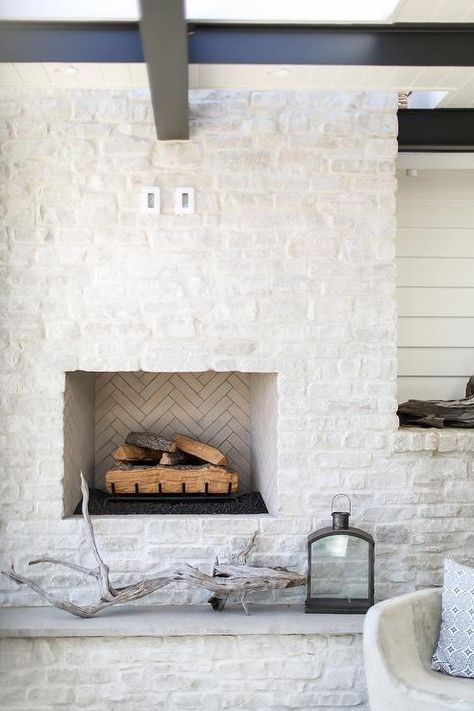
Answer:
[(164, 37), (382, 45), (436, 130), (399, 44), (70, 42)]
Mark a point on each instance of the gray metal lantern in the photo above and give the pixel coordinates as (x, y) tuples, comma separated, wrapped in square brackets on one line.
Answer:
[(340, 566)]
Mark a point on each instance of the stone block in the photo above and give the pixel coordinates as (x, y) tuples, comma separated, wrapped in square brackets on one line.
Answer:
[(27, 128)]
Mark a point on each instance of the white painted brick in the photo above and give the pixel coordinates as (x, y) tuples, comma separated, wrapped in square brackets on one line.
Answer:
[(288, 267), (149, 673)]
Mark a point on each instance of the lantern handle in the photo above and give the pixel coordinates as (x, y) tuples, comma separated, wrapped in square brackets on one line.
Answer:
[(347, 497)]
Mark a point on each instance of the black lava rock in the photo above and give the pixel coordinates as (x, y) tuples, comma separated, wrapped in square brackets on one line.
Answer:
[(102, 504)]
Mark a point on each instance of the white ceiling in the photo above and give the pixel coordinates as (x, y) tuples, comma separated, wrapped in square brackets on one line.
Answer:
[(434, 11), (435, 161), (457, 81)]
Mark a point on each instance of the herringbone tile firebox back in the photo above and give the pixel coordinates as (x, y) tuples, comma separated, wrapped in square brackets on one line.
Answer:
[(213, 407)]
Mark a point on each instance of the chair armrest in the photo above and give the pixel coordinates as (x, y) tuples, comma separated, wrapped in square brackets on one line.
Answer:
[(399, 639)]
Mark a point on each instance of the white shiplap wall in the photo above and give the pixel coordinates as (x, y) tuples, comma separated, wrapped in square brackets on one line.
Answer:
[(435, 286)]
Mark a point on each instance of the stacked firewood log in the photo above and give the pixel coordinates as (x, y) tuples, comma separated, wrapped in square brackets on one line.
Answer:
[(149, 463)]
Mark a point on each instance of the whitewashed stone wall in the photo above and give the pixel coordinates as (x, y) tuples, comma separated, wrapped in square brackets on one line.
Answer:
[(234, 673), (287, 267)]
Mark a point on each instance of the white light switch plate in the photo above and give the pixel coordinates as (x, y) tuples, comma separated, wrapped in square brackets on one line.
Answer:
[(184, 201), (150, 200)]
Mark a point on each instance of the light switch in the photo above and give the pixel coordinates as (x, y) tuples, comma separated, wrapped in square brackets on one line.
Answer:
[(150, 200), (184, 201)]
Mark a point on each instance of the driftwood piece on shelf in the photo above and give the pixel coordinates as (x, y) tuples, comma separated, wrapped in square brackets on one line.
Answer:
[(440, 413), (236, 578), (200, 449), (129, 452), (171, 479), (151, 440)]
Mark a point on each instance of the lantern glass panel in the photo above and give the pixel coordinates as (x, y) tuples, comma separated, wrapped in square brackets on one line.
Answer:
[(340, 567)]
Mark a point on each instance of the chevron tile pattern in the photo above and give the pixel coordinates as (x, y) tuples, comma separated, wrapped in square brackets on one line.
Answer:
[(212, 407)]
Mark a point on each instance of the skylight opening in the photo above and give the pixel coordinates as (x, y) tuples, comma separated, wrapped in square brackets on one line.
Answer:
[(271, 11), (425, 99), (296, 11)]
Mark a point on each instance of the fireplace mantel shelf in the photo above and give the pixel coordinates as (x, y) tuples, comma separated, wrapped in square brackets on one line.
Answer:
[(176, 621)]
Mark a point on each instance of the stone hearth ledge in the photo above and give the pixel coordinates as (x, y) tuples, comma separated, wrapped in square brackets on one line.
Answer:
[(175, 621), (420, 439)]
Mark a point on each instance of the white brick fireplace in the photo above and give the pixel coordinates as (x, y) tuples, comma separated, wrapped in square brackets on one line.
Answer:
[(286, 274)]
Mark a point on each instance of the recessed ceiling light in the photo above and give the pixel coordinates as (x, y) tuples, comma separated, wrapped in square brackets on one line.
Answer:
[(282, 72), (67, 69)]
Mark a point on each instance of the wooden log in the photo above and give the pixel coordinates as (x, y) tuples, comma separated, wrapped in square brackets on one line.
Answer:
[(151, 440), (129, 452), (131, 466), (178, 457), (172, 479), (201, 450)]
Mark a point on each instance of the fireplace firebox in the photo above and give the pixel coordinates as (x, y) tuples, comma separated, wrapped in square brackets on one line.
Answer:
[(234, 412)]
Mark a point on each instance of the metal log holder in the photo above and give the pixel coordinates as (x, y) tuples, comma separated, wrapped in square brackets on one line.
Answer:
[(181, 496)]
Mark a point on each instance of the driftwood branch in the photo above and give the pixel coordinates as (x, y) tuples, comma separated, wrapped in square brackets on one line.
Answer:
[(440, 413), (241, 557), (227, 579), (66, 564), (106, 591)]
